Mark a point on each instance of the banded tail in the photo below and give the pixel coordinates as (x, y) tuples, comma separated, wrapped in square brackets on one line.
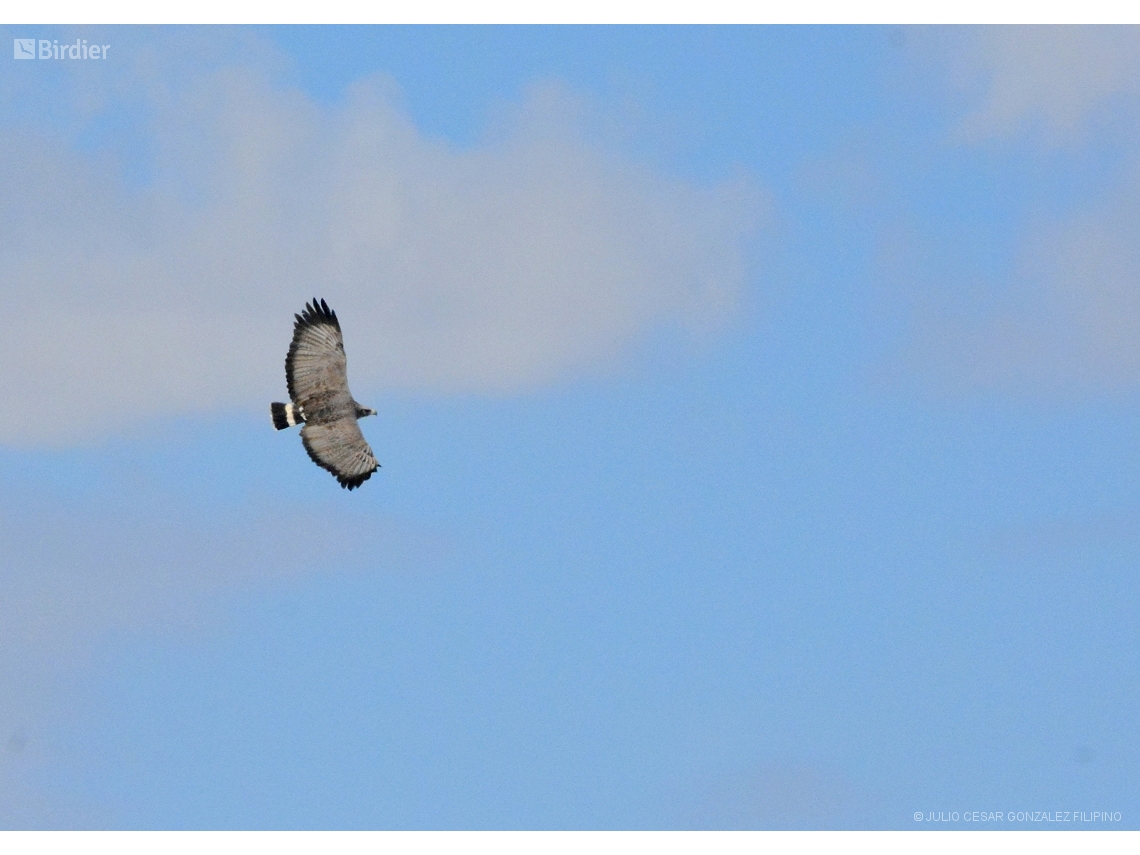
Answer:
[(285, 415)]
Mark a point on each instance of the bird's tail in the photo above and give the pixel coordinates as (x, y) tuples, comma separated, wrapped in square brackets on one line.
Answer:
[(285, 415)]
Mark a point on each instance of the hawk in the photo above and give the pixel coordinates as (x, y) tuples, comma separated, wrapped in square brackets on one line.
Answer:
[(315, 370)]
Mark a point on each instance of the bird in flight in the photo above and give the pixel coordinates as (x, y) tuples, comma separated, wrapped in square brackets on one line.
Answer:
[(316, 372)]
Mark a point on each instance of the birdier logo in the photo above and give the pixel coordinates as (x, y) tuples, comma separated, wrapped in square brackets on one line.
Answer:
[(52, 49)]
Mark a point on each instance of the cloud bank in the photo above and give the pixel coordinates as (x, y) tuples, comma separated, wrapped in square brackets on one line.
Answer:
[(1054, 77), (489, 270), (1065, 320)]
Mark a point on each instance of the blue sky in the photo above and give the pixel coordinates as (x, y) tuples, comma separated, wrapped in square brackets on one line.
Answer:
[(757, 414)]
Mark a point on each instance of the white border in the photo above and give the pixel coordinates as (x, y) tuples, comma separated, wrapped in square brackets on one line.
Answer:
[(566, 842), (572, 12)]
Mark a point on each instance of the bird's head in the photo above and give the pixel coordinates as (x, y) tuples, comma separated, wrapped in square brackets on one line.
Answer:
[(361, 412)]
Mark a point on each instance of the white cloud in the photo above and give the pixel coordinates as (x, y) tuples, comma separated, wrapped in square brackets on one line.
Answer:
[(493, 269), (1056, 76), (1066, 321), (1063, 318)]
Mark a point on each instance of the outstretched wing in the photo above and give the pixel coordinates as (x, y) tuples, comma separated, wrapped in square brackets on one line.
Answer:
[(315, 368), (340, 448)]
